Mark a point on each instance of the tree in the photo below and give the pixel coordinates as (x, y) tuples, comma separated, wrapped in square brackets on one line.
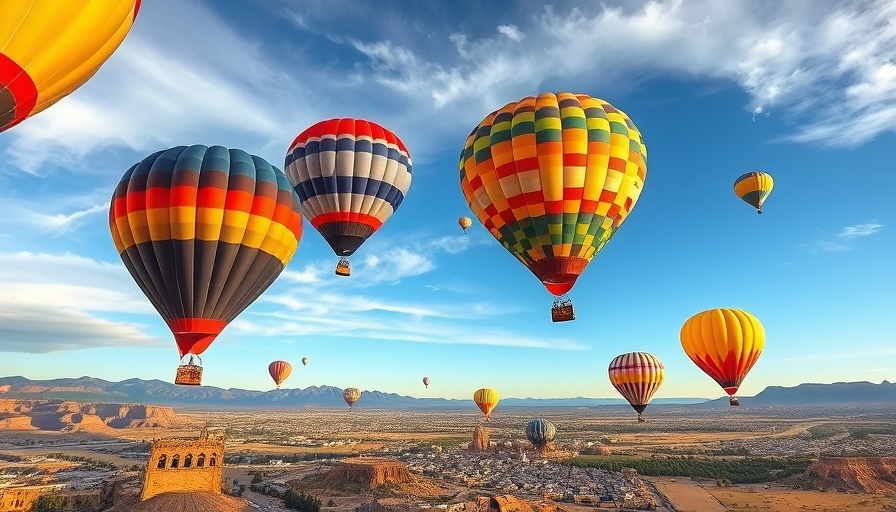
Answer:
[(301, 501), (48, 504), (257, 478), (331, 503), (242, 490)]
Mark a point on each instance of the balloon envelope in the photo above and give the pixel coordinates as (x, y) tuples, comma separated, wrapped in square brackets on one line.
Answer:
[(49, 48), (204, 231), (540, 432), (465, 223), (351, 175), (725, 343), (754, 187), (304, 361), (351, 395), (552, 178), (279, 371), (486, 399), (637, 376), (426, 381)]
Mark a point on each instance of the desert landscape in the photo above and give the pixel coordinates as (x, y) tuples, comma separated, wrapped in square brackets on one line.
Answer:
[(685, 457)]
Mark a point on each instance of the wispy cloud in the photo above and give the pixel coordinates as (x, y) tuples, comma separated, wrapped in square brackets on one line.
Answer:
[(848, 234), (50, 303)]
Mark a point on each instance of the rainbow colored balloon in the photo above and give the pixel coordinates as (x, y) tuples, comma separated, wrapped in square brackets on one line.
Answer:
[(49, 48), (552, 178), (204, 231), (351, 175)]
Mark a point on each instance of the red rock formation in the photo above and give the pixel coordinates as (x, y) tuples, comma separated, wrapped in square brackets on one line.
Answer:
[(369, 472), (480, 439), (859, 474)]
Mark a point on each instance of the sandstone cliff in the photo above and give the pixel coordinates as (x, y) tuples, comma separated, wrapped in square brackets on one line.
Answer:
[(378, 476), (859, 474), (480, 439), (67, 416)]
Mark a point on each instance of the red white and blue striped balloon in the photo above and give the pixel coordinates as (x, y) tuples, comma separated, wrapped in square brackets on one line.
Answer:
[(351, 175)]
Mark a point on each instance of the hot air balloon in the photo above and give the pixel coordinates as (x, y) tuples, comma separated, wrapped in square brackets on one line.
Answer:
[(552, 178), (351, 395), (725, 344), (351, 176), (541, 433), (486, 399), (426, 381), (304, 361), (50, 48), (203, 231), (753, 187), (465, 223), (279, 371), (637, 376)]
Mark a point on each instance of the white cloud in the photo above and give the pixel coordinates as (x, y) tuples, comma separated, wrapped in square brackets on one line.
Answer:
[(859, 230), (511, 31), (847, 234), (49, 303), (42, 328)]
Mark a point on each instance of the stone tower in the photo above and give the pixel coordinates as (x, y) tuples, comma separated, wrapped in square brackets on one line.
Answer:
[(184, 465)]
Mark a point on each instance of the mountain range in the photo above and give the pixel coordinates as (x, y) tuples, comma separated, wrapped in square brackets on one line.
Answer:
[(157, 392)]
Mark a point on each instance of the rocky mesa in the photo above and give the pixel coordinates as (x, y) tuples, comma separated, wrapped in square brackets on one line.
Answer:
[(66, 416)]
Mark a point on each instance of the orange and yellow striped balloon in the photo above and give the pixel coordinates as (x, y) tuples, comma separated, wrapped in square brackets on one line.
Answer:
[(637, 376), (552, 178), (279, 371), (725, 344), (486, 399), (753, 187), (49, 48)]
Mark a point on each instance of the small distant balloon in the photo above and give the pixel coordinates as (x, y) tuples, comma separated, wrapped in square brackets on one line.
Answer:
[(304, 361), (351, 395), (753, 188), (465, 223), (279, 371), (426, 381), (486, 399)]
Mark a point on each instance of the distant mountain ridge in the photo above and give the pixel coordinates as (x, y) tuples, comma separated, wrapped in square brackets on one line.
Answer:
[(157, 392)]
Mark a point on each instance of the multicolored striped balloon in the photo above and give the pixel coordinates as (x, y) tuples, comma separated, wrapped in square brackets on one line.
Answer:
[(204, 231), (637, 376), (279, 371), (351, 175), (753, 187), (725, 343), (486, 399), (552, 178), (49, 48)]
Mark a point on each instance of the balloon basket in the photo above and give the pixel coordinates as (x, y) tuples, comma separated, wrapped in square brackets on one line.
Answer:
[(343, 268), (562, 310), (188, 375), (734, 402)]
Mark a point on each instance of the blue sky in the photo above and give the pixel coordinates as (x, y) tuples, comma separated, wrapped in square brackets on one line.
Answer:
[(805, 93)]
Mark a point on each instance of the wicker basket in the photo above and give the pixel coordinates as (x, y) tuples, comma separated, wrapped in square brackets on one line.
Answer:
[(562, 313), (188, 375), (343, 268), (734, 402)]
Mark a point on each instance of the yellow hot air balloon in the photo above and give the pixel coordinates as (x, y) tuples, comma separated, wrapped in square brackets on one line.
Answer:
[(637, 376), (351, 395), (49, 48), (465, 223), (486, 399), (753, 187), (552, 178), (725, 344)]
